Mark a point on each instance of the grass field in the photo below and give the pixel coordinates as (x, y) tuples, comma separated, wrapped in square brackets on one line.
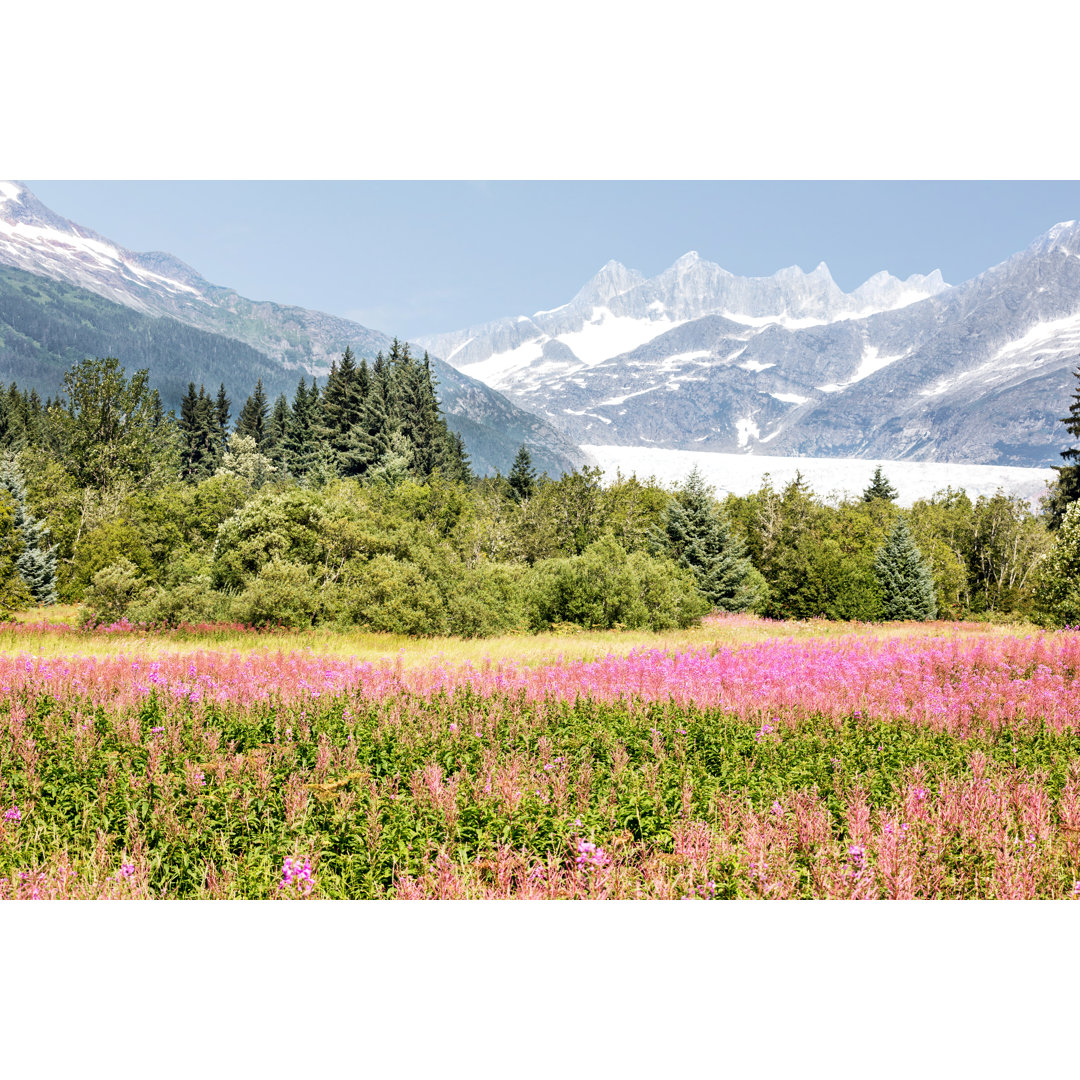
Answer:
[(740, 759), (55, 633)]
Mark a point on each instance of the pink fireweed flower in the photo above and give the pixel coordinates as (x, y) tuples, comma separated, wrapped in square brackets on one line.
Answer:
[(126, 870), (1076, 890), (296, 876), (13, 815), (589, 855)]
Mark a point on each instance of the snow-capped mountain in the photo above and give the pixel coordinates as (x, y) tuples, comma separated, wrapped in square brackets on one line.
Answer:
[(295, 340), (700, 359), (619, 310)]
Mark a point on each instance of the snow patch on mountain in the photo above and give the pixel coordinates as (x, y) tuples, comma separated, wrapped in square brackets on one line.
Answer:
[(747, 427), (606, 335), (1057, 335)]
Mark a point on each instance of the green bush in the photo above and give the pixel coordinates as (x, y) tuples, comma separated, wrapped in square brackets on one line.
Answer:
[(391, 596), (282, 594), (190, 601), (487, 599), (1057, 587), (114, 589), (604, 587)]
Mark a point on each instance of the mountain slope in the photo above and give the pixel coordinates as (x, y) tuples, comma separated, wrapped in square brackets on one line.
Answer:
[(790, 365), (165, 297)]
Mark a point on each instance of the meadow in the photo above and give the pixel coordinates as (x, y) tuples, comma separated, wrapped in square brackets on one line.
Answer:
[(742, 758)]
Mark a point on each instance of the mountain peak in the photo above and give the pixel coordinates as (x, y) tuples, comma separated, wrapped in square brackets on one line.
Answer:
[(10, 191), (1065, 235), (611, 280)]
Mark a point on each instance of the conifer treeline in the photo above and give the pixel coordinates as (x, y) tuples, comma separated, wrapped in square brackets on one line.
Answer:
[(364, 419)]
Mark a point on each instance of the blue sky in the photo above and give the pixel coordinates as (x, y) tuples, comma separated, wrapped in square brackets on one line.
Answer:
[(418, 257)]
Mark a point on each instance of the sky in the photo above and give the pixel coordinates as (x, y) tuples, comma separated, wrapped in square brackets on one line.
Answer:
[(419, 257)]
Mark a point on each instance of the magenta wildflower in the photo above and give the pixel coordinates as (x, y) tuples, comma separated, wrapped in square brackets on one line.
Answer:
[(13, 815), (296, 876), (589, 855)]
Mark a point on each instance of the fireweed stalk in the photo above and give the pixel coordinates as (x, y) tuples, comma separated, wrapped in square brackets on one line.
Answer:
[(851, 768)]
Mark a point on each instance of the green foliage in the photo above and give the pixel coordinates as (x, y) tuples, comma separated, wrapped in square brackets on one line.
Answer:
[(880, 488), (36, 562), (696, 535), (192, 600), (282, 594), (391, 595), (522, 479), (604, 588), (112, 428), (1067, 488), (243, 460), (113, 590), (907, 587), (1058, 574)]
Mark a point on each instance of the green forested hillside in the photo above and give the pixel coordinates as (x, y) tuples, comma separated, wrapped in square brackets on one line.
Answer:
[(46, 326)]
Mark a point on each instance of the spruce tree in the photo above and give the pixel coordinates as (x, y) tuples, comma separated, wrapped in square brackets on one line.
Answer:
[(342, 406), (369, 441), (222, 408), (419, 419), (198, 435), (276, 430), (36, 564), (907, 586), (697, 536), (879, 488), (454, 461), (302, 443), (522, 478), (1067, 488), (253, 418)]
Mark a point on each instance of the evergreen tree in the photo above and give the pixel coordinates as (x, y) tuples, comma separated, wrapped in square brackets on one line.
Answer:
[(1067, 489), (419, 419), (342, 406), (698, 537), (198, 436), (36, 564), (522, 478), (302, 443), (221, 423), (454, 461), (252, 422), (276, 430), (369, 441), (879, 488), (907, 586)]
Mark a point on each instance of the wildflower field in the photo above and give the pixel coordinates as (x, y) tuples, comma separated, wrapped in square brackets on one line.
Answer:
[(748, 762)]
